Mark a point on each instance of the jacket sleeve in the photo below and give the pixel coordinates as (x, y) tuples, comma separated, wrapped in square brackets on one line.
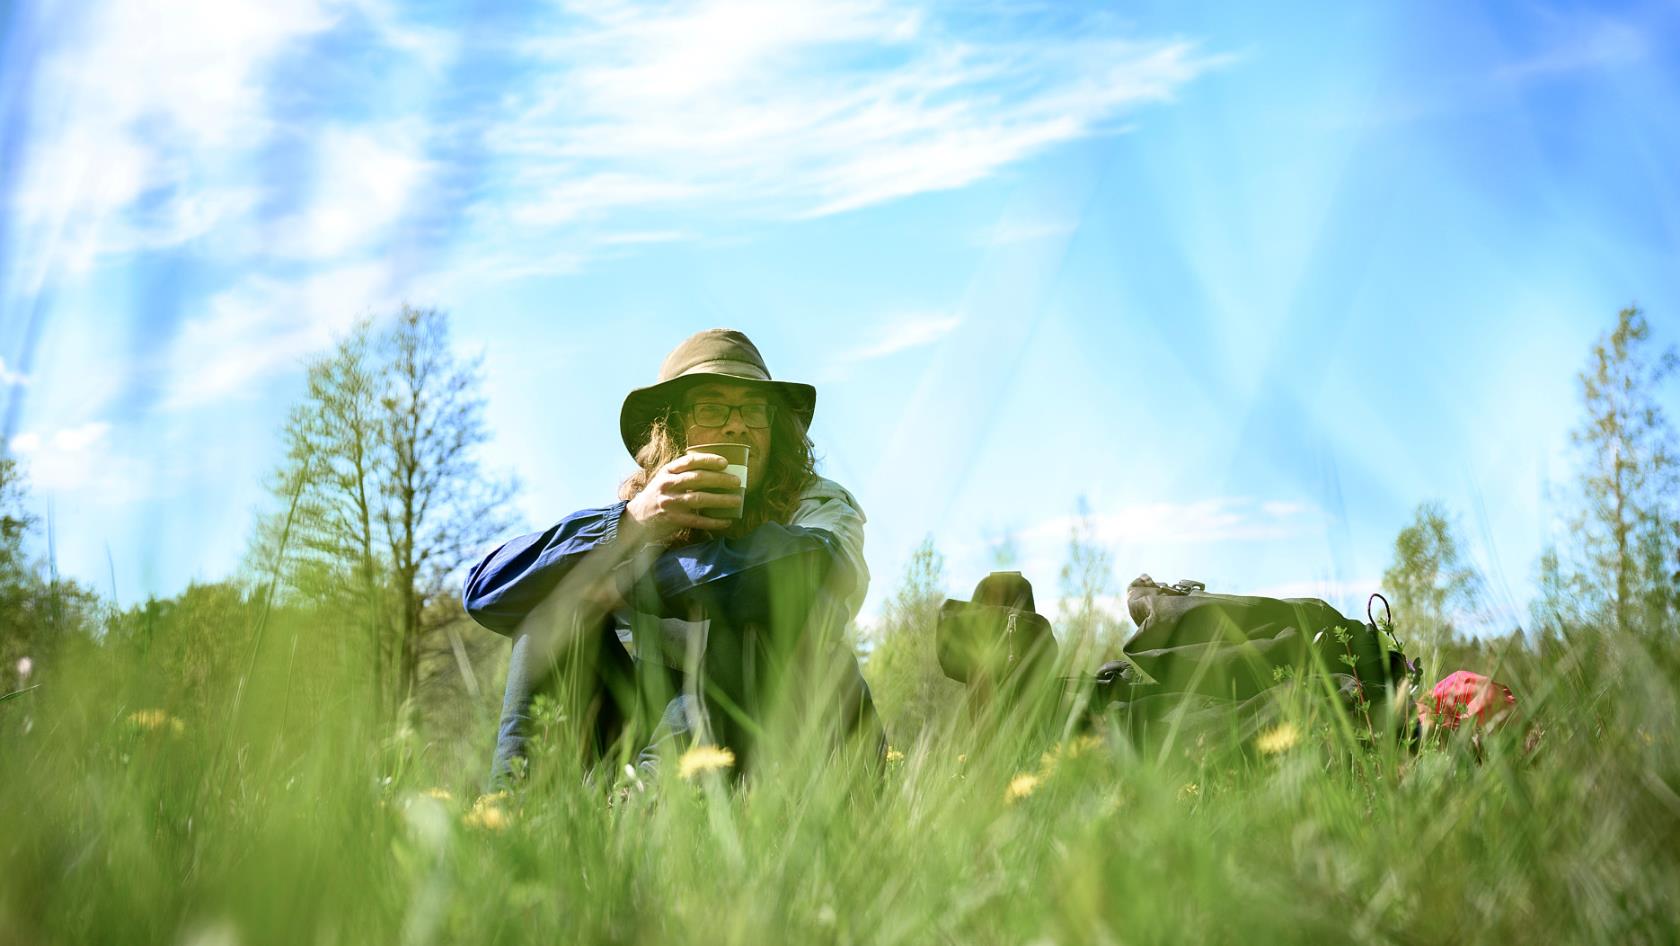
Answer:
[(515, 578), (747, 578), (738, 579), (828, 508)]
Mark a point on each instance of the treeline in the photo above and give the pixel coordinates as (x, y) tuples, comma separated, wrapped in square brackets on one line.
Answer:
[(38, 609), (1610, 575), (347, 603), (1612, 564), (347, 600)]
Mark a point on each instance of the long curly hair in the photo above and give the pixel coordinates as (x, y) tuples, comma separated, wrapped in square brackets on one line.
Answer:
[(791, 468)]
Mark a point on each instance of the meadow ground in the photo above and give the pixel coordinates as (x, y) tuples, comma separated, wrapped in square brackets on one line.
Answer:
[(274, 814)]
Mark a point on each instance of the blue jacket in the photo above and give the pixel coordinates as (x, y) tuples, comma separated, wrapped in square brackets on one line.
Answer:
[(823, 542)]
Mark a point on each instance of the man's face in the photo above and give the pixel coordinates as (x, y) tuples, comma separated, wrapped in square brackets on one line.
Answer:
[(735, 428)]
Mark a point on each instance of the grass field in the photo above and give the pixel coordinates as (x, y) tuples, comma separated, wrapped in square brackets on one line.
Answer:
[(273, 813)]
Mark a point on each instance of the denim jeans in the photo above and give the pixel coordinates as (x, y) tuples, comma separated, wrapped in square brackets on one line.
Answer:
[(593, 684), (623, 704)]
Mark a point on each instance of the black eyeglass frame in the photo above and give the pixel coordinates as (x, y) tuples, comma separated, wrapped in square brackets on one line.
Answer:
[(729, 411)]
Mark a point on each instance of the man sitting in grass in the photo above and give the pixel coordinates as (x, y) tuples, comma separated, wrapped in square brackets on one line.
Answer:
[(685, 600)]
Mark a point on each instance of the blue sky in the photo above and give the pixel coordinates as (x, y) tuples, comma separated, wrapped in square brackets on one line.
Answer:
[(1253, 284)]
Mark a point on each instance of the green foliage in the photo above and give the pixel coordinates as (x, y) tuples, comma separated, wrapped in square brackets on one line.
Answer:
[(1089, 632), (380, 502), (189, 647), (1430, 583), (217, 767), (125, 817), (903, 664), (1627, 570), (39, 613)]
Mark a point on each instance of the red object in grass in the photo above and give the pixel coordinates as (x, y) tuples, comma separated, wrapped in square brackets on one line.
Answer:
[(1462, 695)]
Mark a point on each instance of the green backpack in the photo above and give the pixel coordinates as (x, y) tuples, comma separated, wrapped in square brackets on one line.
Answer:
[(1205, 654)]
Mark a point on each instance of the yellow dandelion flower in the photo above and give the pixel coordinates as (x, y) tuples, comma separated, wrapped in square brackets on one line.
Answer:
[(1280, 738), (1082, 745), (441, 794), (494, 798), (894, 756), (154, 720), (704, 759), (486, 816), (1021, 786), (1190, 791)]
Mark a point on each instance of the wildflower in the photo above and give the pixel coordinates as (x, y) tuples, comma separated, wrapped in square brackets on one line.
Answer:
[(1082, 745), (1189, 792), (704, 759), (487, 812), (1280, 738), (1463, 695), (154, 720), (441, 794), (894, 756), (1021, 786), (24, 667), (486, 816)]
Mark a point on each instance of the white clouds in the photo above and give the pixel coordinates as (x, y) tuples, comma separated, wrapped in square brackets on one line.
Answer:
[(149, 97), (8, 377), (1005, 232), (788, 110), (1587, 42), (1228, 519), (265, 326), (904, 334), (149, 121), (155, 124), (67, 440), (1327, 589), (1169, 539), (65, 460), (364, 178)]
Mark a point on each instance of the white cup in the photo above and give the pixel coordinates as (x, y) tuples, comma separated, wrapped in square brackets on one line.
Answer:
[(736, 454)]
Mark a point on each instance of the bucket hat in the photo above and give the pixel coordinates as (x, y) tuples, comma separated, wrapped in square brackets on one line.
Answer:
[(715, 354)]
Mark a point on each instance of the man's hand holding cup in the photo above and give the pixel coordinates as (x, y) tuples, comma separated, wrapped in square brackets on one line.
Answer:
[(695, 491)]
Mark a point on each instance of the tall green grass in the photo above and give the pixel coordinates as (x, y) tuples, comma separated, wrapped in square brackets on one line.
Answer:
[(277, 811)]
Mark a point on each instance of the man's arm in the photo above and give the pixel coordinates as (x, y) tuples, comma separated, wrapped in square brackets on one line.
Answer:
[(827, 507), (822, 546), (511, 581)]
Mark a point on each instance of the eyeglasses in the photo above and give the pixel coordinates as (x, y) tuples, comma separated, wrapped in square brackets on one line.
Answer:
[(756, 416)]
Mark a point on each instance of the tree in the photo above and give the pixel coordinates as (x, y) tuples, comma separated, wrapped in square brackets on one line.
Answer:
[(1088, 631), (16, 579), (380, 498), (323, 541), (191, 646), (1429, 581), (437, 511), (1629, 479), (37, 613), (910, 689)]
